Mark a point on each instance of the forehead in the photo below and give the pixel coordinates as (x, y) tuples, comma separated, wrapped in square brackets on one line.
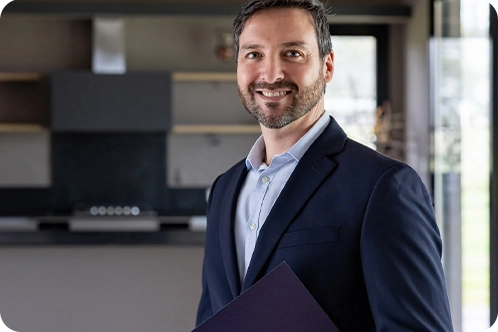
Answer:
[(279, 25)]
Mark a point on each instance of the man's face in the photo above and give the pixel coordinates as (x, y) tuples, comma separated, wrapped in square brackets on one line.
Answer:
[(280, 74)]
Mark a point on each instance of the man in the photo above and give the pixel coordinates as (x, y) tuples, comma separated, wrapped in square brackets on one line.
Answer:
[(356, 227)]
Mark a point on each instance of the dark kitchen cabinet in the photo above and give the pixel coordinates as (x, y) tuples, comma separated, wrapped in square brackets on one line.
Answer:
[(133, 102)]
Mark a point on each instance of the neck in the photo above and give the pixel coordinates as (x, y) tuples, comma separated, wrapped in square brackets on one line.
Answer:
[(278, 141)]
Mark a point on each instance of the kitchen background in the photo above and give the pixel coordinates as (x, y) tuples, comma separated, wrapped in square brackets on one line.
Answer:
[(77, 150)]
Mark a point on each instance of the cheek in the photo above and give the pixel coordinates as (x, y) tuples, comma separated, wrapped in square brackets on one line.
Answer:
[(305, 77), (244, 77)]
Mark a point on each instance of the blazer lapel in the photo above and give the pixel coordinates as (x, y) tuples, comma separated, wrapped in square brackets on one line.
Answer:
[(226, 230), (307, 177)]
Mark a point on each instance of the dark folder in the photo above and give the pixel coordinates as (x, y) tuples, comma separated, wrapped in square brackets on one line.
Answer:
[(278, 302)]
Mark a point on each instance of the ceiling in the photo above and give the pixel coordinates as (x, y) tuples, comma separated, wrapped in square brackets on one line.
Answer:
[(204, 2)]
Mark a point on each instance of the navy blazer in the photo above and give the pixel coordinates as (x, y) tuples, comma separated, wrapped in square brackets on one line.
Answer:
[(356, 227)]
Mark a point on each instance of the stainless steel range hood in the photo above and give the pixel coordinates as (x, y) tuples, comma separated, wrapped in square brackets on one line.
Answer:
[(108, 55)]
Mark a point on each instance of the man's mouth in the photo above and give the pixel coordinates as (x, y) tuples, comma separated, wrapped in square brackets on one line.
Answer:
[(275, 90), (274, 93)]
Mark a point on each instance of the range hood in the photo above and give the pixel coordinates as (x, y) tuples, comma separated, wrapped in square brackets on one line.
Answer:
[(110, 99), (108, 55)]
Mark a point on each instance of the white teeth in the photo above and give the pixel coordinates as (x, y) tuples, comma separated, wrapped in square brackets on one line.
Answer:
[(274, 94)]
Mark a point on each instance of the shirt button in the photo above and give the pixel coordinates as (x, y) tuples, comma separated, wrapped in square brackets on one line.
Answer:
[(252, 226), (265, 179)]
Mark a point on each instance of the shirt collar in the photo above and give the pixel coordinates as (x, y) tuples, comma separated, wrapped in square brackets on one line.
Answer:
[(256, 155)]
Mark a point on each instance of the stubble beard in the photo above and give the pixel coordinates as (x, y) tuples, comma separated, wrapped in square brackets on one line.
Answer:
[(302, 103)]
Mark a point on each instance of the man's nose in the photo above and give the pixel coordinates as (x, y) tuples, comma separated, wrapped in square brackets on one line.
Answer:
[(272, 70)]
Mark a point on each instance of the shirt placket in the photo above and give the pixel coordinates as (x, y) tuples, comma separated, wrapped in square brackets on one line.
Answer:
[(254, 222)]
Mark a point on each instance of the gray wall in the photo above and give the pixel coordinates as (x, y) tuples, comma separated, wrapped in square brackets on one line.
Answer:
[(82, 289)]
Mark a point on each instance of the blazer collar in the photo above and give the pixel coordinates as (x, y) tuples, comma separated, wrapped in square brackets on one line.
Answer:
[(310, 172)]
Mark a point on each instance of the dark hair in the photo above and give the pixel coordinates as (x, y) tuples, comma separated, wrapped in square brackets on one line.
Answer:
[(314, 7)]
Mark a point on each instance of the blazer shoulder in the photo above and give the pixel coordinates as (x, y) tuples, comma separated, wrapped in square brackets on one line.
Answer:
[(335, 144), (357, 154), (369, 154)]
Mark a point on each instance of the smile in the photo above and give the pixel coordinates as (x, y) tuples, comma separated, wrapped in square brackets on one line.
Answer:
[(274, 93)]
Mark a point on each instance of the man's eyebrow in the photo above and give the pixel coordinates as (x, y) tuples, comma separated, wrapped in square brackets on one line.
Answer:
[(294, 43), (286, 44), (250, 47)]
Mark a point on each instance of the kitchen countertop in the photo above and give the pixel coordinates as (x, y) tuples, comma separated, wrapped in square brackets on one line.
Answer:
[(67, 230)]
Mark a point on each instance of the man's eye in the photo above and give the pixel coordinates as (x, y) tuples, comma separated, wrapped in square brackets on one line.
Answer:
[(253, 55), (293, 54)]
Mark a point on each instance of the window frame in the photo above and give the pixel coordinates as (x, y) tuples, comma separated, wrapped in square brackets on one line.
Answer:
[(493, 220)]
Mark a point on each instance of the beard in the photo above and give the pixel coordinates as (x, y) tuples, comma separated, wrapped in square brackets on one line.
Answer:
[(303, 102)]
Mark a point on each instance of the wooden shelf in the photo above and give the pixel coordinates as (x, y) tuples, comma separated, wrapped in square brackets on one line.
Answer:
[(216, 129), (19, 77), (7, 128), (204, 77)]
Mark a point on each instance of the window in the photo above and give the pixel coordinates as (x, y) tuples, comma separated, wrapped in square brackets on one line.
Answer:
[(352, 96), (461, 65), (360, 80)]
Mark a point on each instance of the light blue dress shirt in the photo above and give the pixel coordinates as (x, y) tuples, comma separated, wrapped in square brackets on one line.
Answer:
[(262, 187)]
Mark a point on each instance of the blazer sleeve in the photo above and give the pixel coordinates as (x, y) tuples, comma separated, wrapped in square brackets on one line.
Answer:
[(401, 256)]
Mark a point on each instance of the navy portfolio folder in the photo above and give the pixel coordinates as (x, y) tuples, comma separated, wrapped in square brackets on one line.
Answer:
[(278, 302)]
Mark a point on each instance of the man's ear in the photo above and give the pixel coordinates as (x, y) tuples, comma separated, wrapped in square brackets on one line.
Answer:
[(328, 67)]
